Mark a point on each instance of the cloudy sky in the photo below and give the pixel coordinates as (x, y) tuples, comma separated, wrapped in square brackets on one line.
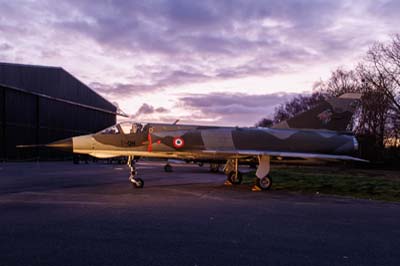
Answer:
[(215, 62)]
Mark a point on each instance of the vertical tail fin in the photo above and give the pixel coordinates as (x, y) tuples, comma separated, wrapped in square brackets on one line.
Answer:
[(332, 114)]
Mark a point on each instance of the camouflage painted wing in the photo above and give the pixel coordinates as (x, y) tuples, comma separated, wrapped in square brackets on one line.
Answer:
[(247, 153)]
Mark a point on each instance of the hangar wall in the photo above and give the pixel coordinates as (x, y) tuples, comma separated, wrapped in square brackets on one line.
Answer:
[(41, 104)]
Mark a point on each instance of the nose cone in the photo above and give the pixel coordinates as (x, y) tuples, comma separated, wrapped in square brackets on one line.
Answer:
[(64, 145)]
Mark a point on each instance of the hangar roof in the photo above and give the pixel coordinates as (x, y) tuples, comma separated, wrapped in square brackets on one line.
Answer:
[(51, 82)]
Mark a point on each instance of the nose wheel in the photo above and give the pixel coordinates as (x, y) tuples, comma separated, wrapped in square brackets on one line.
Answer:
[(136, 182)]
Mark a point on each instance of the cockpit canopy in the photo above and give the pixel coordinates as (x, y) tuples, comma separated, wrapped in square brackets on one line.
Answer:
[(131, 127), (127, 127)]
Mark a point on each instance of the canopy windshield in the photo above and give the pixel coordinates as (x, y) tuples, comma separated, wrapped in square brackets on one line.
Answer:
[(113, 130), (132, 127)]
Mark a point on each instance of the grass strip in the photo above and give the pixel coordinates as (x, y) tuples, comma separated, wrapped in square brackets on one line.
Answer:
[(333, 181)]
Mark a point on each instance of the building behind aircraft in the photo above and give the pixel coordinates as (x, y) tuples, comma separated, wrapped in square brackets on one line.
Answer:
[(40, 104)]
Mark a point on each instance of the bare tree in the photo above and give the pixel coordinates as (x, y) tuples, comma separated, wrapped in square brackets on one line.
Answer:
[(380, 72), (377, 77), (383, 60), (265, 122), (340, 82)]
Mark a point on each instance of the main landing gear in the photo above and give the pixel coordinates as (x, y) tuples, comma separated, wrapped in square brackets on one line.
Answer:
[(263, 181), (234, 177), (136, 182)]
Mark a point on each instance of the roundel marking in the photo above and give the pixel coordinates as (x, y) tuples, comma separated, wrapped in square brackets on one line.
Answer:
[(178, 142)]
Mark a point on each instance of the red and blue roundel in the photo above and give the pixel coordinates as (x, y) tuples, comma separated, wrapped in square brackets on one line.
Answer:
[(178, 142)]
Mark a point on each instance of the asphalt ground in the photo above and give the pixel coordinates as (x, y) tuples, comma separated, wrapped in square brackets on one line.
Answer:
[(65, 214)]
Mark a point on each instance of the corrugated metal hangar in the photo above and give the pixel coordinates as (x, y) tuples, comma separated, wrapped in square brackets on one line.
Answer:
[(40, 104)]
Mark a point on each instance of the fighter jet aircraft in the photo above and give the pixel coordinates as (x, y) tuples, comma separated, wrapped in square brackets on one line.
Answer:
[(309, 139)]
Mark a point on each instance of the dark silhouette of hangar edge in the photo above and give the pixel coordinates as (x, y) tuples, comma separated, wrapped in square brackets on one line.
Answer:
[(40, 104)]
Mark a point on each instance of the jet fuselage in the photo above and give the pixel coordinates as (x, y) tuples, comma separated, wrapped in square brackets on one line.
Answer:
[(194, 142)]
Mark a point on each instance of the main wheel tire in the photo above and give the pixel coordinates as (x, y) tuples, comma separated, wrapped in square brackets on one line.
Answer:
[(168, 168), (139, 183), (264, 183), (234, 178)]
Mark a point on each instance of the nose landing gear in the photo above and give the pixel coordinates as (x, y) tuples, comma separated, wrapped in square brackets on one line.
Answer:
[(136, 182)]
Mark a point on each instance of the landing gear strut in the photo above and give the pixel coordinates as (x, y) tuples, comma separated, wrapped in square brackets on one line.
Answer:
[(232, 172), (136, 182), (264, 181)]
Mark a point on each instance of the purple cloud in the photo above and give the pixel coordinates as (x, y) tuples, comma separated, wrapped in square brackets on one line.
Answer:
[(5, 47), (147, 109), (266, 35), (240, 108), (160, 80), (176, 27), (125, 48), (122, 90)]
